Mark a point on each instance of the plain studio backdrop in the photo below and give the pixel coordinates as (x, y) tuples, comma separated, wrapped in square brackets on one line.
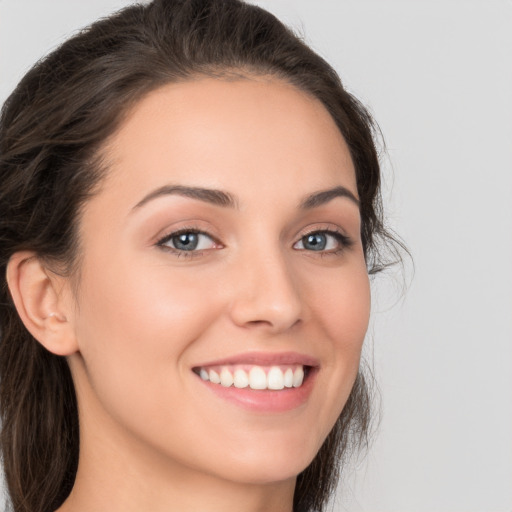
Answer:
[(438, 77)]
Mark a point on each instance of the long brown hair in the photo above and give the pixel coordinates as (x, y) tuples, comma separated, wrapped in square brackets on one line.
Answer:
[(51, 129)]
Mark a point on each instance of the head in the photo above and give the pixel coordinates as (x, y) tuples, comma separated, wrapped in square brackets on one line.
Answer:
[(63, 132)]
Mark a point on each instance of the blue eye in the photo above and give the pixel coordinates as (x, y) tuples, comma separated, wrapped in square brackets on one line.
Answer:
[(328, 241), (315, 242), (187, 241)]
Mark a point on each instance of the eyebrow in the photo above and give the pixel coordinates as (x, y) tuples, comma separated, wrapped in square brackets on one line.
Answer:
[(320, 198), (215, 197), (227, 200)]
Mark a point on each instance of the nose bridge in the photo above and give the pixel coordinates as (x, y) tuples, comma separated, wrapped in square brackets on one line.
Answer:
[(266, 290)]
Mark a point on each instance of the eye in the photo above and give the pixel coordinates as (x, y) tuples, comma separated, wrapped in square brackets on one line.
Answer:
[(323, 241), (187, 241)]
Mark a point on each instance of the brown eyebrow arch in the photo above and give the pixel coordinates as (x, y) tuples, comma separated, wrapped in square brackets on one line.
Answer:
[(320, 198), (212, 196), (227, 200)]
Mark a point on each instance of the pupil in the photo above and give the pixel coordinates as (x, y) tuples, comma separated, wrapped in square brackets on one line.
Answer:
[(186, 241), (315, 242)]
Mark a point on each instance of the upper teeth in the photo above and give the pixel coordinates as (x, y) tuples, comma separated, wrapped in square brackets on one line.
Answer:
[(258, 377)]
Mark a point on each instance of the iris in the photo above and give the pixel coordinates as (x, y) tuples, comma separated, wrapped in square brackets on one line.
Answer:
[(315, 241), (185, 241)]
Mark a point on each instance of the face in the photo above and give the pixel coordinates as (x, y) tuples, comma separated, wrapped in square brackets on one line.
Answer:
[(224, 244)]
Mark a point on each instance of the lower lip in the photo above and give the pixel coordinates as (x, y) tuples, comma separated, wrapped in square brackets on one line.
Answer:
[(265, 400)]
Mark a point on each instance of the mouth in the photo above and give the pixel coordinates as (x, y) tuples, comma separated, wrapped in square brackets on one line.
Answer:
[(259, 382), (256, 377)]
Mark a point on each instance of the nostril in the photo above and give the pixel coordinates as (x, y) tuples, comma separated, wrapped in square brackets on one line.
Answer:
[(259, 322), (279, 324)]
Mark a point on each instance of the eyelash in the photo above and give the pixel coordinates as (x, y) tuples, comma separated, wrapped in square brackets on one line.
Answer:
[(182, 253), (344, 242)]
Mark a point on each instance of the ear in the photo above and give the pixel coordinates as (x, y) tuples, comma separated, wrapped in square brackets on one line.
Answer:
[(44, 302)]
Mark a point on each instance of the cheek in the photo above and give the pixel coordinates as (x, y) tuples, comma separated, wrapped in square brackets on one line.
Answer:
[(341, 311), (134, 326), (135, 300), (342, 306)]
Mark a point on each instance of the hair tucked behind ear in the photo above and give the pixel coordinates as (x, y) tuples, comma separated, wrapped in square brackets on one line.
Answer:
[(52, 129)]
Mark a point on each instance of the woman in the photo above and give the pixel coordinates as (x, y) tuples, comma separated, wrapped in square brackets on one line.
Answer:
[(190, 210)]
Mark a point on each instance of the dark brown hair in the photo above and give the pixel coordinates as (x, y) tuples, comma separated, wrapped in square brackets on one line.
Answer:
[(52, 128)]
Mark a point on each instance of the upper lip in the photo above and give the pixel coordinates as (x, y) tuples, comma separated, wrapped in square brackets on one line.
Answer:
[(264, 359)]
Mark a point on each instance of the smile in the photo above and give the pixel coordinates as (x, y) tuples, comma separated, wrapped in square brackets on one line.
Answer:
[(261, 382), (254, 376)]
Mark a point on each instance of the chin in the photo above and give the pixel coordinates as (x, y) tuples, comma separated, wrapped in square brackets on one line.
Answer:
[(265, 463)]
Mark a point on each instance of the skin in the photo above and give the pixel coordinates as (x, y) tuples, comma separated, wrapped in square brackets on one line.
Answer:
[(141, 316)]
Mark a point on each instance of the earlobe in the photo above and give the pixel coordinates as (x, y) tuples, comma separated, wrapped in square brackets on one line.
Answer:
[(42, 302)]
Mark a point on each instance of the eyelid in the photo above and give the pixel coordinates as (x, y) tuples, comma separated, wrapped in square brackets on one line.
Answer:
[(343, 239), (162, 241)]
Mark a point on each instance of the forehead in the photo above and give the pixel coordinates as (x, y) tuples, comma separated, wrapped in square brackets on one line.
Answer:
[(242, 135)]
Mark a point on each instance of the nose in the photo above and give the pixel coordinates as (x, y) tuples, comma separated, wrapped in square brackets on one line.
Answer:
[(266, 294)]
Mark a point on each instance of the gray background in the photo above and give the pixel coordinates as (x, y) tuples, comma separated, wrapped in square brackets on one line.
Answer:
[(438, 77)]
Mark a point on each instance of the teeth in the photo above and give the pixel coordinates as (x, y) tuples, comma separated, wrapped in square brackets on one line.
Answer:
[(275, 378), (288, 378), (257, 378), (226, 378), (298, 377), (214, 377), (240, 379)]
